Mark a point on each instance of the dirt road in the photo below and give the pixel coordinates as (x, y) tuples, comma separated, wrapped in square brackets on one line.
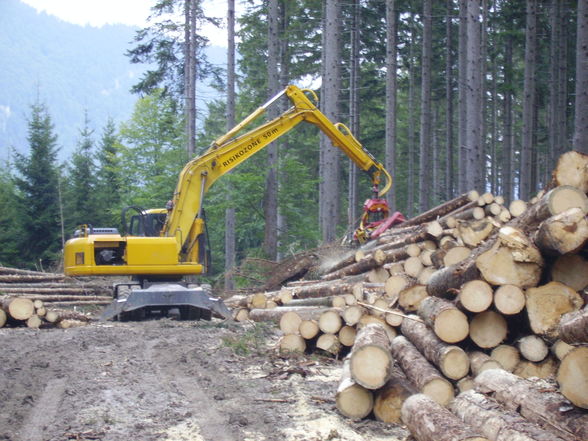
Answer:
[(168, 380)]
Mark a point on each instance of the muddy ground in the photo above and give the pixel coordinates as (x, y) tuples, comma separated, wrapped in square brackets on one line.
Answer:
[(169, 380)]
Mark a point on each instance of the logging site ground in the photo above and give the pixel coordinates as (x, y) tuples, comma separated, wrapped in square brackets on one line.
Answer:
[(169, 380)]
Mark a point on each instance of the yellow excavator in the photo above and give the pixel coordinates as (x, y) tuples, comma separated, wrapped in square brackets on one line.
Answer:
[(160, 246)]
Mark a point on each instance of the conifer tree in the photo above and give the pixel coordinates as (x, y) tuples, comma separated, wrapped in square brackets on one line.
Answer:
[(108, 177), (38, 193), (10, 226)]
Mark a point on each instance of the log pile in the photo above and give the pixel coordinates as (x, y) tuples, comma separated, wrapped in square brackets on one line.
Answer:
[(468, 288), (37, 300)]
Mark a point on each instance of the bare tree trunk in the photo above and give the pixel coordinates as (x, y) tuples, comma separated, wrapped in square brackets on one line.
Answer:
[(528, 100), (352, 214), (425, 129), (329, 167), (190, 75), (411, 128), (581, 119), (507, 179), (462, 78), (563, 143), (230, 242), (391, 92), (554, 81), (473, 97), (449, 176)]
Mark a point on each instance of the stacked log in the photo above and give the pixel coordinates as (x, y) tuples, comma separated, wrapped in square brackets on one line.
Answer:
[(472, 286), (36, 299)]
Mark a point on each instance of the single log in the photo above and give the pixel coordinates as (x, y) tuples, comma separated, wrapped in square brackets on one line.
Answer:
[(38, 303), (371, 261), (308, 329), (389, 398), (563, 233), (71, 323), (466, 383), (324, 289), (488, 329), (560, 349), (448, 322), (475, 232), (295, 267), (451, 360), (31, 278), (274, 315), (257, 301), (420, 372), (440, 210), (52, 316), (476, 295), (329, 343), (34, 321), (425, 275), (410, 298), (352, 400), (413, 266), (571, 169), (517, 207), (572, 375), (537, 401), (15, 271), (508, 356), (49, 291), (533, 348), (456, 255), (573, 327), (371, 360), (481, 362), (292, 344), (17, 308), (290, 322), (65, 298), (547, 304), (3, 318), (81, 303), (377, 275), (312, 301), (429, 421), (509, 299), (496, 423), (397, 283), (395, 317), (347, 335), (330, 322), (338, 302), (363, 290), (425, 257), (512, 260), (241, 314), (352, 314), (544, 369), (571, 270), (413, 250)]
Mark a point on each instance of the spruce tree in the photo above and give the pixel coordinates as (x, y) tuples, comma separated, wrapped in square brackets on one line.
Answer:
[(108, 177), (10, 226), (39, 198)]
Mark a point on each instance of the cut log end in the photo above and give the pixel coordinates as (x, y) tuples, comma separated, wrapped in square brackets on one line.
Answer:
[(572, 376)]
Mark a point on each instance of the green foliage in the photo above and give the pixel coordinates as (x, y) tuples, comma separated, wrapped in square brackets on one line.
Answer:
[(252, 341), (109, 177), (38, 192), (152, 153), (10, 220)]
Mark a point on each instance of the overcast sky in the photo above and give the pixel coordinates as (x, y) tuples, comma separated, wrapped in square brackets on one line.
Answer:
[(130, 12)]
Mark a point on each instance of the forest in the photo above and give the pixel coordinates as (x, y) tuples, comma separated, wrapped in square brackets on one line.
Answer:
[(450, 95)]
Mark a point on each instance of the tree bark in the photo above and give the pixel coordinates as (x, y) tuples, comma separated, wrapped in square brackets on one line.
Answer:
[(581, 113), (420, 372), (496, 423), (429, 421), (371, 361), (391, 92), (426, 116), (573, 327), (537, 401), (389, 398), (451, 360)]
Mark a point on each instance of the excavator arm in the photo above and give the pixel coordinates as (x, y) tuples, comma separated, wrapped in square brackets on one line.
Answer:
[(227, 152)]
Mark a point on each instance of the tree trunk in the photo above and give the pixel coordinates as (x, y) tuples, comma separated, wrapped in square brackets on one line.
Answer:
[(322, 289), (508, 356), (509, 299), (571, 270), (449, 174), (354, 119), (391, 92), (488, 329), (496, 423), (528, 101), (18, 308), (329, 166), (389, 398), (563, 233), (426, 116), (451, 360), (476, 296), (462, 90), (429, 421), (536, 401), (572, 374), (448, 322), (371, 361), (571, 169), (573, 327), (423, 375), (275, 314), (581, 113), (230, 240), (547, 304), (533, 348), (352, 400)]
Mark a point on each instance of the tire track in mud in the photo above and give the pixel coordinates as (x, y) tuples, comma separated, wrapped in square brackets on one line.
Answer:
[(44, 411), (212, 425)]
